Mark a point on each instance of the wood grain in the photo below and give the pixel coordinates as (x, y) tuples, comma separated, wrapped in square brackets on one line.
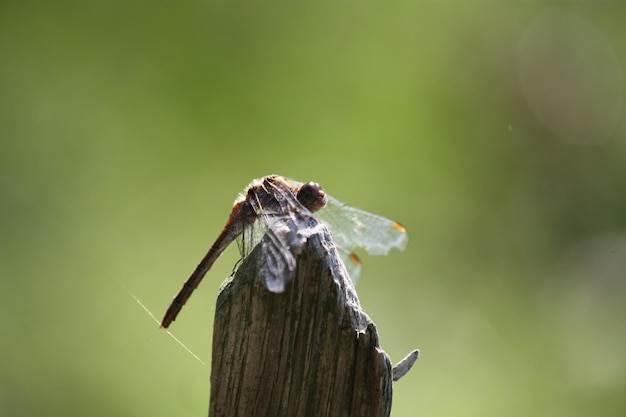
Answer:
[(309, 351)]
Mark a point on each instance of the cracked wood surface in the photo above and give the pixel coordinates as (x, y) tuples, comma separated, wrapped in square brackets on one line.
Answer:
[(309, 351)]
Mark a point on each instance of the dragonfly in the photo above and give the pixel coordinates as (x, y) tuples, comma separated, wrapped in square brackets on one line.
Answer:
[(280, 214)]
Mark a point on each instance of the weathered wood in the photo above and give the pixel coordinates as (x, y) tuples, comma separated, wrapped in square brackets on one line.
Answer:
[(309, 351)]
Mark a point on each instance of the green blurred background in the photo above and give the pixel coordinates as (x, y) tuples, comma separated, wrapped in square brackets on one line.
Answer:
[(493, 130)]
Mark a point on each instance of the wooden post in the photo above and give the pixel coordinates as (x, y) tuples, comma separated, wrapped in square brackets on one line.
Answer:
[(309, 351)]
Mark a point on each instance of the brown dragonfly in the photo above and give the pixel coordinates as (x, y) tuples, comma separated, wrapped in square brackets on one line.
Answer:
[(280, 214)]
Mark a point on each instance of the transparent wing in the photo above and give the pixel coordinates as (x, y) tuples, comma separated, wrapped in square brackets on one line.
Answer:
[(270, 206), (277, 263), (253, 234), (352, 228), (351, 262), (282, 227)]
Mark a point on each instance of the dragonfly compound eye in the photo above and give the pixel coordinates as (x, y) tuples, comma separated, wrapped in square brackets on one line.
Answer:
[(312, 196)]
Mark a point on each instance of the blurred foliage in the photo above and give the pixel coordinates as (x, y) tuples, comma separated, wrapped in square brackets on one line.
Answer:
[(493, 130)]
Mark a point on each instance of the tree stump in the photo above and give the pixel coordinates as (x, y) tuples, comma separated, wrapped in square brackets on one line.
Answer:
[(309, 351)]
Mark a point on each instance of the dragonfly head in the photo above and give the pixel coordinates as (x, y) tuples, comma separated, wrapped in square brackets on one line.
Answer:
[(312, 196)]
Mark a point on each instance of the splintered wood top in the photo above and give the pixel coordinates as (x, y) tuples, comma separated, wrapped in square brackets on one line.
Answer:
[(309, 351)]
